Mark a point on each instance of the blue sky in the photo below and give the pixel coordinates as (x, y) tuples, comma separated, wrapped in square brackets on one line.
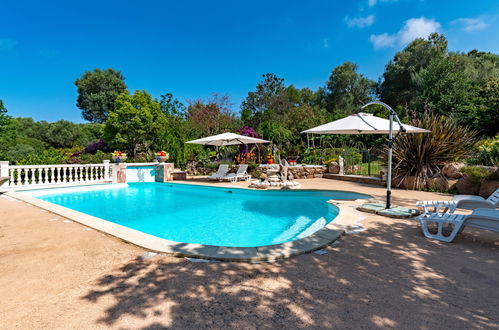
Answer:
[(195, 48)]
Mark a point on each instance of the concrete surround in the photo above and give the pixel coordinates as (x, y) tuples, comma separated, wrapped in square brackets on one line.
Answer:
[(347, 217)]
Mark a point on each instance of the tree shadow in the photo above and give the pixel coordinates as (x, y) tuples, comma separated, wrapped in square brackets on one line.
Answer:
[(388, 276)]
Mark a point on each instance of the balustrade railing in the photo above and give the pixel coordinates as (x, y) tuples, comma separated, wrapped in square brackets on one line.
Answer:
[(36, 175)]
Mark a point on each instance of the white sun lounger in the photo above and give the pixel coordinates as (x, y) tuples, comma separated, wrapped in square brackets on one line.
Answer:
[(468, 202), (222, 171), (242, 173), (480, 218)]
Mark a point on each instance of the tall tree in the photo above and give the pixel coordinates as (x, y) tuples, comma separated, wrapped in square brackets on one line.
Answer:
[(4, 118), (347, 90), (136, 123), (398, 87), (270, 99), (97, 92), (212, 116)]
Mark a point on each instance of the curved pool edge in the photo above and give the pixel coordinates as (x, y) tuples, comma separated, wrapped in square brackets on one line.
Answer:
[(347, 217)]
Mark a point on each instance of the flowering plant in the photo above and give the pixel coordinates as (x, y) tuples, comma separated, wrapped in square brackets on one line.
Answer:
[(245, 158), (161, 154), (119, 154), (270, 159)]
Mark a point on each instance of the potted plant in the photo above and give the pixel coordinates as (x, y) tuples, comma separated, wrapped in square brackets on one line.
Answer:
[(161, 156), (119, 157)]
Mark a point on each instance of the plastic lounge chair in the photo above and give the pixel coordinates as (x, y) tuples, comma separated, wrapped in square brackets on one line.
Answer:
[(222, 171), (480, 218), (242, 173), (468, 202)]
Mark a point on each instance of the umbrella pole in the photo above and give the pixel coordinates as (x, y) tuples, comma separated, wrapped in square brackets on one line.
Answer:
[(389, 174)]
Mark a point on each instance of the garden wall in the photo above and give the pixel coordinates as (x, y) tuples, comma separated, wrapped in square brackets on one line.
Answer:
[(299, 171)]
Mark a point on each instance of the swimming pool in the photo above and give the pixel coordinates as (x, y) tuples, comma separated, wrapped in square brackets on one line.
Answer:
[(205, 215)]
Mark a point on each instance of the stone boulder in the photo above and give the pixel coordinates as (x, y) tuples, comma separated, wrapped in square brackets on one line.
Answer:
[(488, 187), (438, 183), (334, 168), (465, 186), (452, 170), (452, 184), (409, 182)]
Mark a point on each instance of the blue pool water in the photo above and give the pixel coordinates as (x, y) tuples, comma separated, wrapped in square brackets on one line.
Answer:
[(206, 215)]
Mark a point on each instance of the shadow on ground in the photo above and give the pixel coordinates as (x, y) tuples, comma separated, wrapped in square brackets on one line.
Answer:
[(389, 276)]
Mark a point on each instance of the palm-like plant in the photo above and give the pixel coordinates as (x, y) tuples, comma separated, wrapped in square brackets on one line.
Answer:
[(422, 156)]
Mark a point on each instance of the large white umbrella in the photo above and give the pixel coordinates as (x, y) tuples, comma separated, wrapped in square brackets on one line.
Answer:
[(362, 123), (365, 123), (227, 139)]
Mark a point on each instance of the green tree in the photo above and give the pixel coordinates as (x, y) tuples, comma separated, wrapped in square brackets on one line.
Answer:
[(97, 92), (136, 123), (347, 90), (269, 100), (212, 116), (442, 88), (4, 118), (398, 87), (176, 131), (62, 134)]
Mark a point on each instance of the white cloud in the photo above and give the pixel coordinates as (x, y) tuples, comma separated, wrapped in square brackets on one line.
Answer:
[(382, 40), (372, 3), (7, 43), (325, 43), (360, 22), (417, 28), (471, 24), (413, 28)]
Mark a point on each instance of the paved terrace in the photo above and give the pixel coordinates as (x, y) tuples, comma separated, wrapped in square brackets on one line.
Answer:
[(60, 275)]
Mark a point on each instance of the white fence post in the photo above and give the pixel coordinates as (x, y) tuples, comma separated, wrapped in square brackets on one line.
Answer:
[(4, 171), (106, 170)]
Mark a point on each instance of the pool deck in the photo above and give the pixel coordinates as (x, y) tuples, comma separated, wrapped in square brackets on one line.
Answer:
[(58, 274)]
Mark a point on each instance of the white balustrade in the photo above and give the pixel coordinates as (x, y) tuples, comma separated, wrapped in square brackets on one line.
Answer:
[(57, 174)]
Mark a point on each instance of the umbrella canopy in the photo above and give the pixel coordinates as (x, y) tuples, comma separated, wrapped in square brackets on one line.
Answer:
[(227, 139), (362, 123)]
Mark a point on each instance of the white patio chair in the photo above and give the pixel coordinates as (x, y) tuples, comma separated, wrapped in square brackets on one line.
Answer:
[(242, 173), (222, 171), (468, 202), (487, 219)]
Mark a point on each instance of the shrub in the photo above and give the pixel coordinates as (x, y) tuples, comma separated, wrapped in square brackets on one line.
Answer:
[(487, 153), (422, 155), (478, 174)]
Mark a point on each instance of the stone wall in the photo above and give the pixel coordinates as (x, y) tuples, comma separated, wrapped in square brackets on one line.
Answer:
[(299, 171)]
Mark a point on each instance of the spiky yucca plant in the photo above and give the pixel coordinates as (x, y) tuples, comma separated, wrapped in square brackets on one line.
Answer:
[(422, 155)]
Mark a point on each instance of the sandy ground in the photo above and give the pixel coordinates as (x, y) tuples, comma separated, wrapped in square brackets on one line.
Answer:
[(60, 275)]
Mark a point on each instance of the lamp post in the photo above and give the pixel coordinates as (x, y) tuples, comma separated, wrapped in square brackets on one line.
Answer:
[(393, 115)]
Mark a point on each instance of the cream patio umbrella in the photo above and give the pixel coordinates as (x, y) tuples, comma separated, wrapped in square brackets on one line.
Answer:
[(365, 123), (227, 139)]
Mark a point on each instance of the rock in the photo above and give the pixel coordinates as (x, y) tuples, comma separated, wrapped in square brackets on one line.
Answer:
[(488, 187), (452, 184), (263, 176), (334, 168), (452, 170), (439, 183), (409, 182), (317, 176), (467, 187)]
